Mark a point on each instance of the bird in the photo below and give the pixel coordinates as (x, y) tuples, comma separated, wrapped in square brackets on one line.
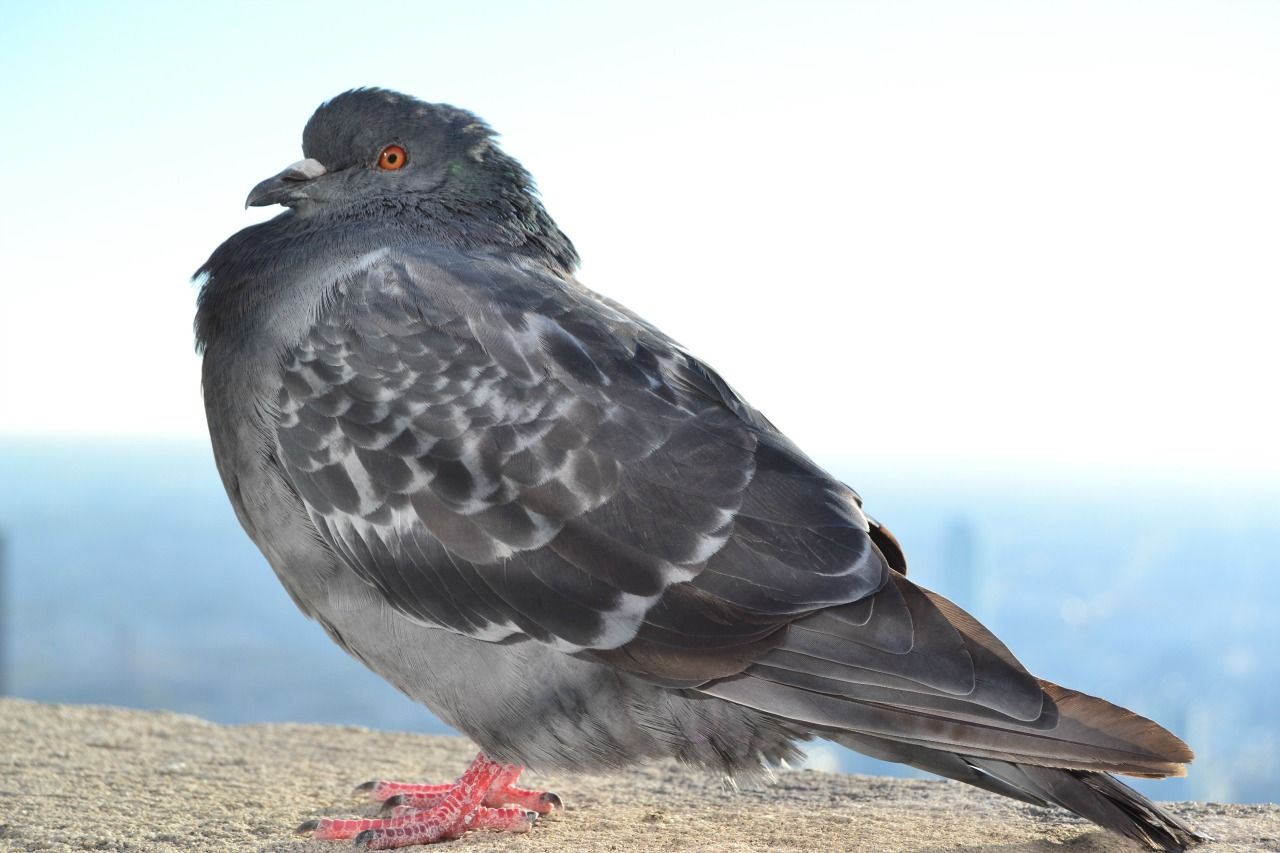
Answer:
[(536, 514)]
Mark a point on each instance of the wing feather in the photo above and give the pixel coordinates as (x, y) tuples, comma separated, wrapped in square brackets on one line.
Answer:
[(501, 453)]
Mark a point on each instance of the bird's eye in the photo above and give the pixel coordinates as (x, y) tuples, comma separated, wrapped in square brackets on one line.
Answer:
[(393, 157)]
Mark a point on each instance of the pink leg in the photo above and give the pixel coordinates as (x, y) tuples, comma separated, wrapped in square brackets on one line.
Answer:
[(398, 797), (381, 790), (485, 797), (504, 792), (504, 820)]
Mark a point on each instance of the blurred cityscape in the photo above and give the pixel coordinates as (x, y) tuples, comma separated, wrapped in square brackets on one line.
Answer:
[(125, 580)]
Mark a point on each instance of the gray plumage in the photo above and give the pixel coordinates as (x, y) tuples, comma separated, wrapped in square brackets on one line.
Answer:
[(533, 512)]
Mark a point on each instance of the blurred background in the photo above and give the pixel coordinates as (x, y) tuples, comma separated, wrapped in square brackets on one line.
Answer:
[(1009, 269)]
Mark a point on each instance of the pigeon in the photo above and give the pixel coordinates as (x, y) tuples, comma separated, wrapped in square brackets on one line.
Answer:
[(536, 514)]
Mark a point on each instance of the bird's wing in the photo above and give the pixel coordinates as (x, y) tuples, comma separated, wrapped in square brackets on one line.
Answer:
[(503, 454)]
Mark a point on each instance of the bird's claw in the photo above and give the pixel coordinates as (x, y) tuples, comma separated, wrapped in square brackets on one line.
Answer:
[(486, 797)]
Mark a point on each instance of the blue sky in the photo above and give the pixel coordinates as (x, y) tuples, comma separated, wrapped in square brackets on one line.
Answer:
[(1001, 235)]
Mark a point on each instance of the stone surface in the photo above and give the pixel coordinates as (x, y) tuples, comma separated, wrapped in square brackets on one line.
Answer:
[(94, 778)]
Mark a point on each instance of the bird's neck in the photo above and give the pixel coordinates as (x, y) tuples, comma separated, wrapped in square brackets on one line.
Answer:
[(271, 262), (494, 204)]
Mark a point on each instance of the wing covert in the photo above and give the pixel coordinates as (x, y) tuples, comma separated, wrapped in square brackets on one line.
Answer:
[(503, 454)]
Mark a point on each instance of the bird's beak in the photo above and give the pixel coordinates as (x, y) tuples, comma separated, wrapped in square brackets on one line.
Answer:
[(286, 186)]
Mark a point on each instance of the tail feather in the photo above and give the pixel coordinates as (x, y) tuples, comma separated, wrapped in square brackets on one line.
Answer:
[(1102, 737), (910, 677), (1101, 798), (946, 764), (1098, 797)]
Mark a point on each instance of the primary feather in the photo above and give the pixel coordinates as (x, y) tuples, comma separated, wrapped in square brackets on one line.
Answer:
[(532, 511)]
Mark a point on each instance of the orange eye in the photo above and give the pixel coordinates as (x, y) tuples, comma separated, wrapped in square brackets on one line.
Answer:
[(393, 157)]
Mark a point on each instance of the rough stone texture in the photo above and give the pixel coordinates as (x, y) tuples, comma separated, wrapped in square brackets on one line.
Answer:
[(94, 778)]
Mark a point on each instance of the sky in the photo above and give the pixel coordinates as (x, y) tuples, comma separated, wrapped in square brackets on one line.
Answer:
[(1002, 235)]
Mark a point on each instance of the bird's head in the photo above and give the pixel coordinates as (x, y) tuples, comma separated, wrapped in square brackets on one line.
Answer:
[(432, 169), (373, 145)]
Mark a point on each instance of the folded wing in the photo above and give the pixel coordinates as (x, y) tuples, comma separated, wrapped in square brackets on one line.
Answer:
[(502, 454)]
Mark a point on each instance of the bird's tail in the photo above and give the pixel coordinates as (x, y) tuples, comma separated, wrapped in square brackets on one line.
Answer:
[(1095, 796), (908, 676)]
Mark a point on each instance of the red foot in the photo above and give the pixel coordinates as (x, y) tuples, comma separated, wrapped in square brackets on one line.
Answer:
[(400, 798), (485, 797)]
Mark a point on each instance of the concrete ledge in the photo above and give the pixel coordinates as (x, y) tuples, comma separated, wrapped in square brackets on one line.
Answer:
[(94, 778)]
